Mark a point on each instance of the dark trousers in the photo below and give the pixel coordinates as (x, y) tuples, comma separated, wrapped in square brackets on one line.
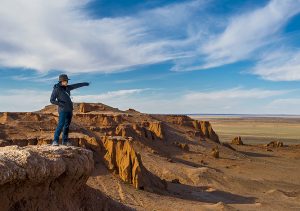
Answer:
[(64, 121)]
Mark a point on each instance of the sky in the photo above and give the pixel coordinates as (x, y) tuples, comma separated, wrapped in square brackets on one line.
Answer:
[(167, 56)]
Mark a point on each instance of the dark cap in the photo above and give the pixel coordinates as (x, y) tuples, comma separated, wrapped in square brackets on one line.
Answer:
[(63, 77)]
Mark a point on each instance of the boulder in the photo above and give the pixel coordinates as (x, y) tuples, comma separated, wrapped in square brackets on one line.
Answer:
[(215, 152), (43, 177), (183, 146), (237, 141), (275, 144)]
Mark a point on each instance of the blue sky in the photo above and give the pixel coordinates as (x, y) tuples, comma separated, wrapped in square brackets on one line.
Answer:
[(197, 56)]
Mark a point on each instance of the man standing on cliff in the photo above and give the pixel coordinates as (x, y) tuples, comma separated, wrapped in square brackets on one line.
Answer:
[(61, 96)]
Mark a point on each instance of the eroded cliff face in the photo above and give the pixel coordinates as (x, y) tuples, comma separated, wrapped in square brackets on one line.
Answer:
[(112, 134), (43, 177), (198, 128), (122, 159)]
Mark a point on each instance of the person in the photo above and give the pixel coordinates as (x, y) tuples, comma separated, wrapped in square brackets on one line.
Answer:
[(61, 97)]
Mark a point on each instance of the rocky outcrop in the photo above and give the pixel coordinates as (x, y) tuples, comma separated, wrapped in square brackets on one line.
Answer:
[(148, 130), (122, 159), (215, 152), (183, 146), (275, 144), (181, 120), (88, 107), (156, 129), (206, 130), (237, 141), (99, 120), (85, 107), (43, 177)]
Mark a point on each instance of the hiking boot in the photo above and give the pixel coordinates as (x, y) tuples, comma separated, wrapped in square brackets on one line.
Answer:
[(67, 143), (55, 143)]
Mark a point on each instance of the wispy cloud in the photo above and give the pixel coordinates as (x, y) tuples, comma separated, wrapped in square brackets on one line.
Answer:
[(245, 37), (281, 65), (111, 95), (233, 100), (234, 93), (60, 35), (284, 106)]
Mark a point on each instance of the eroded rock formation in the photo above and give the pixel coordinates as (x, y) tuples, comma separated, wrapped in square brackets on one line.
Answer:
[(122, 159), (275, 144), (237, 141), (43, 177)]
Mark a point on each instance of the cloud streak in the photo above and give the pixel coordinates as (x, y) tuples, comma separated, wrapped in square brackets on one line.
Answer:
[(234, 100), (245, 36), (281, 65), (60, 35)]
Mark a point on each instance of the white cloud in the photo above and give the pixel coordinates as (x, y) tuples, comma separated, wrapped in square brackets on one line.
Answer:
[(24, 100), (281, 65), (59, 35), (234, 93), (32, 100), (235, 100), (284, 106), (244, 36), (108, 95)]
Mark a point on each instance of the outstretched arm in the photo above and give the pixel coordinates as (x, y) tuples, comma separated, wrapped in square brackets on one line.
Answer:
[(78, 85), (53, 98)]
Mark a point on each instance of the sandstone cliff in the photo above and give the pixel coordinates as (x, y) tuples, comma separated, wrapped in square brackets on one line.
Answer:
[(122, 159), (43, 177), (49, 178)]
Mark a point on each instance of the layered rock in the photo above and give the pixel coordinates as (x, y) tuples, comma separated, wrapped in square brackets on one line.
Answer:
[(122, 159), (183, 146), (89, 107), (206, 130), (275, 144), (199, 128), (215, 152), (150, 130), (43, 177), (237, 141)]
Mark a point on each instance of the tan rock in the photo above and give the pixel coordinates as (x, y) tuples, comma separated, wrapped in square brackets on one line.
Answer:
[(157, 129), (275, 144), (43, 177), (215, 152), (122, 159), (208, 131), (183, 146), (237, 141)]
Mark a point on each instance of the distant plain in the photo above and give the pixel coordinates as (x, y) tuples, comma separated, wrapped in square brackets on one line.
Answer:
[(255, 129)]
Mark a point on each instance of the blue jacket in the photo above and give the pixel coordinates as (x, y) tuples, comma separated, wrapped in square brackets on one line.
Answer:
[(61, 95)]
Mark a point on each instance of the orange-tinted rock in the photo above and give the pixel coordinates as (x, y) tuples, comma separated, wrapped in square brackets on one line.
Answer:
[(275, 144), (207, 131), (237, 141), (215, 152), (183, 146), (122, 159), (157, 129), (43, 177), (85, 107)]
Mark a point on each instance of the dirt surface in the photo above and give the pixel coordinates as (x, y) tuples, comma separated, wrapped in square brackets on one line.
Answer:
[(165, 162)]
